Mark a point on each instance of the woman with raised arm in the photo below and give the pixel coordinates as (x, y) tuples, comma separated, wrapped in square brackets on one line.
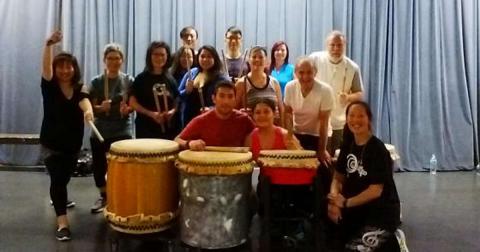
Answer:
[(65, 107), (198, 86), (154, 119), (257, 84), (279, 68), (363, 199)]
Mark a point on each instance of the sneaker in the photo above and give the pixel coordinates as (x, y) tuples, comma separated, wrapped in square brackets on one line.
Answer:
[(402, 242), (98, 206), (70, 203), (63, 234)]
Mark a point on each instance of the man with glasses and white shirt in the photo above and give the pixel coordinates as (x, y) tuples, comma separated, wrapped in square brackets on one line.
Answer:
[(344, 76)]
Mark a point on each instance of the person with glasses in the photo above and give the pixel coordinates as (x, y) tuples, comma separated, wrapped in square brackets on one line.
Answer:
[(234, 59), (150, 122), (189, 37), (343, 75), (112, 115)]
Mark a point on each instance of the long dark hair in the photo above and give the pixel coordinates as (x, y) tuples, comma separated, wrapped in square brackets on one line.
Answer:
[(275, 46), (148, 57), (348, 137), (65, 57), (176, 66), (217, 67)]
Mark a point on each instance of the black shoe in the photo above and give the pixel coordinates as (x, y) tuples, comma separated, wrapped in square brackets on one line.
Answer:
[(63, 234), (99, 205), (70, 203)]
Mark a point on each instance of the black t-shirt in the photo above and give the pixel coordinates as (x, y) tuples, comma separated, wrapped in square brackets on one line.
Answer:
[(142, 89), (62, 125), (363, 166)]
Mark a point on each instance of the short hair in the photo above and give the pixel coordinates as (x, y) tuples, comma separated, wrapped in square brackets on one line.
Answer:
[(303, 59), (112, 47), (275, 46), (185, 29), (264, 100), (335, 34), (65, 57), (148, 58), (224, 84), (258, 48), (234, 30)]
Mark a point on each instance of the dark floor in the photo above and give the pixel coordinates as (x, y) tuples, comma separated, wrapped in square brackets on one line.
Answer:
[(440, 213)]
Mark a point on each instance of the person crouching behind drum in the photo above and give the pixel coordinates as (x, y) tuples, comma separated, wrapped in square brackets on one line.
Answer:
[(363, 200), (221, 126), (267, 136), (112, 115), (65, 107)]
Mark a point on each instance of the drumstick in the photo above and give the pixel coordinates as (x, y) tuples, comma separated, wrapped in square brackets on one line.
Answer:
[(95, 130), (157, 102), (289, 124), (227, 149), (240, 73), (189, 76), (105, 87), (202, 101), (59, 21), (163, 87), (124, 95), (225, 62)]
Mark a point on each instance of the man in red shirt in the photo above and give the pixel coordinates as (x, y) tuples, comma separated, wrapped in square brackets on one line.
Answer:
[(221, 126)]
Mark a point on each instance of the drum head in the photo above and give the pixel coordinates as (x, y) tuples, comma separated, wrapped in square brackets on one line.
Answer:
[(288, 158), (144, 146), (213, 162)]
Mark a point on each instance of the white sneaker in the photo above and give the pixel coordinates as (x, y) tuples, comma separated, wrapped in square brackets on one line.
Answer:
[(402, 242)]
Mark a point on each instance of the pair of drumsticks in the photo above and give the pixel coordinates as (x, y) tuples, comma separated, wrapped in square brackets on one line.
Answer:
[(199, 87), (240, 73), (161, 90)]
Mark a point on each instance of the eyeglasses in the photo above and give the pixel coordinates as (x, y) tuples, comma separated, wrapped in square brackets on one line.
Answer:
[(234, 38)]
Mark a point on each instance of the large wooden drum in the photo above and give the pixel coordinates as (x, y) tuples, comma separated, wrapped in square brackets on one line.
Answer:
[(142, 190), (214, 195)]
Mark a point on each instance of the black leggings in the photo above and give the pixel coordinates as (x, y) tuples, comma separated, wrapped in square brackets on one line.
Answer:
[(99, 157), (60, 167)]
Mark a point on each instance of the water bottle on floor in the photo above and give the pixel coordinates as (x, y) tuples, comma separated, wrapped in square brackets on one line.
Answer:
[(433, 165)]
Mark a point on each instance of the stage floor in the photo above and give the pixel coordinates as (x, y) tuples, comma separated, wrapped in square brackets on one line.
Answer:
[(440, 213)]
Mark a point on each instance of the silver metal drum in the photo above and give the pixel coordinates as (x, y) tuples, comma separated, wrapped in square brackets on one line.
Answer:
[(214, 194)]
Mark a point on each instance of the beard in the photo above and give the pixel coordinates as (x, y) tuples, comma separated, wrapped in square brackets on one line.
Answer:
[(335, 59)]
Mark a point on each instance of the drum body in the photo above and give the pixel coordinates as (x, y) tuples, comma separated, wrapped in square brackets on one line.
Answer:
[(288, 167), (214, 195), (142, 191)]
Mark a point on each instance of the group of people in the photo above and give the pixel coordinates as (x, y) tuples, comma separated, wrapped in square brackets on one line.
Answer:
[(236, 99)]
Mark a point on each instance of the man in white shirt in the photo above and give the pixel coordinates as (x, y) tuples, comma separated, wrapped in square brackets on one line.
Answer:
[(343, 75), (308, 103)]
